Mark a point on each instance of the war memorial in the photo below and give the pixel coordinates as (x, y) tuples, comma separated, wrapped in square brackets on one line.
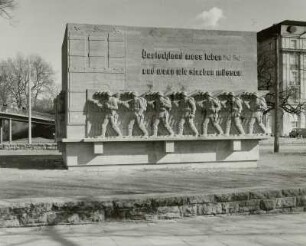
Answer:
[(159, 96), (141, 115)]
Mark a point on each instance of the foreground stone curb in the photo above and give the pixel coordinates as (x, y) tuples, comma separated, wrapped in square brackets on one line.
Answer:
[(80, 210)]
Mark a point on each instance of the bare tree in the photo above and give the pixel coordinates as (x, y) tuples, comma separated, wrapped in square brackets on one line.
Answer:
[(17, 73), (42, 78), (288, 97), (265, 71), (4, 81), (6, 6), (46, 104), (17, 79)]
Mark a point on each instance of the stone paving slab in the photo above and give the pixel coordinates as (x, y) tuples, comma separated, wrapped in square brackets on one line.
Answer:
[(259, 230)]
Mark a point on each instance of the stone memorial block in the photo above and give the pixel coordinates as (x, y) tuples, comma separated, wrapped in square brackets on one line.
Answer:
[(138, 95)]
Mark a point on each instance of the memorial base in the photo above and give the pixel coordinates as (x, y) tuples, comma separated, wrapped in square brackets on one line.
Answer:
[(214, 152)]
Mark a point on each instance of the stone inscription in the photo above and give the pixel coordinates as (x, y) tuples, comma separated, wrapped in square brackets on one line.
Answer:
[(169, 56)]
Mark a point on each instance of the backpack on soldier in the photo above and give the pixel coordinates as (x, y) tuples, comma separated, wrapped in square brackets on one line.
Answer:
[(143, 103), (166, 102)]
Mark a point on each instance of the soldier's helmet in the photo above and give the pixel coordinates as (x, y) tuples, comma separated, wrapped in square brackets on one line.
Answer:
[(117, 95), (208, 94), (184, 94), (134, 94), (107, 93), (231, 94), (159, 94), (95, 95), (255, 94)]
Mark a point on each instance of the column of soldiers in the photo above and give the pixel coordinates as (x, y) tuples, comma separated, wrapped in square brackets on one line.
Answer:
[(161, 105)]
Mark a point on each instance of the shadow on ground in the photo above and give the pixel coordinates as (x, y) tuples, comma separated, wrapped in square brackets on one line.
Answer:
[(32, 162)]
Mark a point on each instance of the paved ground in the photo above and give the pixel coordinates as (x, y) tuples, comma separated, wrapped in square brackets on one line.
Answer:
[(256, 230), (284, 170)]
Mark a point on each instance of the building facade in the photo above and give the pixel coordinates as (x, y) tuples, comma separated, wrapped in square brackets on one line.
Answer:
[(282, 56)]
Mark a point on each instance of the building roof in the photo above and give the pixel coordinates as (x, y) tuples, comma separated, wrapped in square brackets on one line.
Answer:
[(276, 28)]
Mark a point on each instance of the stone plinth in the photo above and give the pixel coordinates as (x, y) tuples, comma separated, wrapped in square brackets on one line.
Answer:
[(207, 152)]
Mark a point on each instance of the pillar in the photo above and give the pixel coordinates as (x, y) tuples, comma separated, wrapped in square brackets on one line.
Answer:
[(10, 130), (1, 131)]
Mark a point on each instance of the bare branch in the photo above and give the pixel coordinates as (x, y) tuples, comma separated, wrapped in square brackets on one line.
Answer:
[(6, 6), (16, 75), (289, 98)]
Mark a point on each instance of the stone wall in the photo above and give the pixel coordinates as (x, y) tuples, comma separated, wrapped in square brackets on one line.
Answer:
[(23, 146), (16, 213)]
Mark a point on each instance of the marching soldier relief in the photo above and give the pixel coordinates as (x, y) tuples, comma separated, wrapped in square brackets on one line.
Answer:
[(162, 110), (188, 108), (109, 105), (211, 107), (234, 109), (138, 106), (162, 106), (257, 105), (138, 95)]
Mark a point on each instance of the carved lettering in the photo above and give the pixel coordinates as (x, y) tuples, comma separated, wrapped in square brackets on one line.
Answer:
[(202, 72), (162, 71), (181, 71), (224, 72), (166, 55), (192, 71), (148, 71), (193, 57), (212, 57), (226, 57)]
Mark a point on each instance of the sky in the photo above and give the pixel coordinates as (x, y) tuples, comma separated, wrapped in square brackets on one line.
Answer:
[(37, 26)]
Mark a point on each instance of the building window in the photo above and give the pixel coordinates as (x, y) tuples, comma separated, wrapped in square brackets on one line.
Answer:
[(303, 44), (294, 124), (294, 61), (295, 93), (294, 78), (293, 44)]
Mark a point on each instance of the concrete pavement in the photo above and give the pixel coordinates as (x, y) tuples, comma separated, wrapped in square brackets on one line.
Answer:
[(256, 230)]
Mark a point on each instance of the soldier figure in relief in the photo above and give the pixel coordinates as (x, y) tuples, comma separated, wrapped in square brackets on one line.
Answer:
[(138, 106), (187, 109), (162, 106), (211, 107), (234, 107), (257, 105), (110, 106)]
